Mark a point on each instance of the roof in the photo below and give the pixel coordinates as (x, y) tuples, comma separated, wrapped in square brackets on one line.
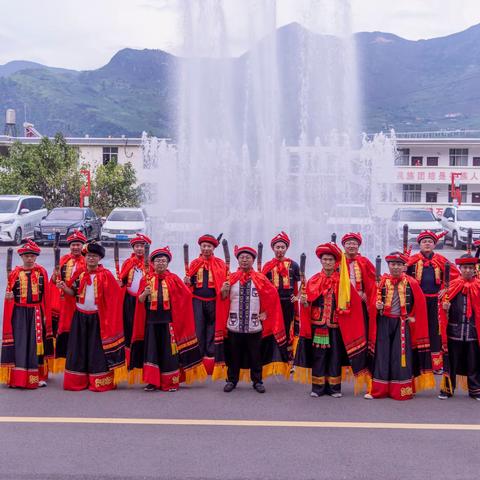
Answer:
[(77, 141)]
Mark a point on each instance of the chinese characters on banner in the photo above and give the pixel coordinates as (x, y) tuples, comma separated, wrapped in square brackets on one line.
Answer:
[(435, 176)]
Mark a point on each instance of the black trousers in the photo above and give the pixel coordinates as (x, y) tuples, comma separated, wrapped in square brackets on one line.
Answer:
[(464, 359), (288, 311), (204, 313), (241, 347), (327, 364), (388, 351), (158, 349), (129, 304), (85, 351), (433, 331)]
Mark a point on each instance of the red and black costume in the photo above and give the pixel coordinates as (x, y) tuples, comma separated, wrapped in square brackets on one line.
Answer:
[(362, 275), (64, 304), (164, 349), (207, 276), (331, 339), (95, 354), (27, 343), (429, 272), (460, 328), (131, 274), (245, 347), (285, 275), (399, 350)]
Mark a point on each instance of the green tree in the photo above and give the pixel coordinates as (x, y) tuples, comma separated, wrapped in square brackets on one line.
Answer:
[(49, 169), (114, 185)]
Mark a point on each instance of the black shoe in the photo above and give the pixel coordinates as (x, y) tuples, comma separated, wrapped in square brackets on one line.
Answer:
[(150, 388), (229, 386), (259, 387)]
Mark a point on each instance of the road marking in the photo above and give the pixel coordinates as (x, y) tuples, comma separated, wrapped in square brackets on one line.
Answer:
[(191, 422)]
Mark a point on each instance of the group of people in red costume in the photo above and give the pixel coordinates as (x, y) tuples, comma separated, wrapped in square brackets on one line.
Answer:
[(390, 333)]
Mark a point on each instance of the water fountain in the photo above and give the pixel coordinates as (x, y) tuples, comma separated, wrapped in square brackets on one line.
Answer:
[(269, 140)]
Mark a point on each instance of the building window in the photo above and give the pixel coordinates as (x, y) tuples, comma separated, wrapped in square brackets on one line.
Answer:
[(402, 158), (431, 197), (432, 161), (417, 161), (412, 193), (476, 161), (110, 154), (475, 197), (463, 190), (294, 164), (458, 157)]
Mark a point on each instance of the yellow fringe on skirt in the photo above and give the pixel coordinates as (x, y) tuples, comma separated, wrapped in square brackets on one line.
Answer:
[(219, 372), (120, 374), (426, 381), (196, 374), (5, 374), (135, 376), (56, 365)]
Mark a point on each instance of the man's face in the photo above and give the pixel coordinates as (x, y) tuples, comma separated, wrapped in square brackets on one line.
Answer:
[(76, 248), (396, 268), (279, 249), (467, 271), (328, 262), (92, 260), (427, 245), (160, 264), (206, 249), (29, 260), (139, 249), (245, 261), (351, 247)]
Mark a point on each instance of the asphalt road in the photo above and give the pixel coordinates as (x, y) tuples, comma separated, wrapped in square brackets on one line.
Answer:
[(388, 439)]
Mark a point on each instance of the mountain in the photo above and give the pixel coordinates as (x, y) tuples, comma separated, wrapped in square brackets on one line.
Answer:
[(409, 85)]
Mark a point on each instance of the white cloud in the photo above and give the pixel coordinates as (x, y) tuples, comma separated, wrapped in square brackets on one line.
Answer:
[(85, 34)]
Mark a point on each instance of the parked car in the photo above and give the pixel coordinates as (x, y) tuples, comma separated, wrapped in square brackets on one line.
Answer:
[(457, 221), (123, 223), (417, 219), (65, 220), (19, 215)]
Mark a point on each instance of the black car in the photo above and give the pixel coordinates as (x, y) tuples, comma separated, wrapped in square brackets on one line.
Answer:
[(65, 220)]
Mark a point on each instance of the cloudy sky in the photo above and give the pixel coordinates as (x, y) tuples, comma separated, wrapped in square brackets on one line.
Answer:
[(85, 34)]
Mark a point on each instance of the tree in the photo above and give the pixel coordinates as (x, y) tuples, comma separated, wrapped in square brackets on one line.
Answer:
[(114, 185), (49, 169)]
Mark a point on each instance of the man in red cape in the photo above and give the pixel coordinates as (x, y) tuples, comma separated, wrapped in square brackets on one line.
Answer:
[(428, 268), (332, 338), (130, 276), (95, 356), (205, 276), (65, 304), (459, 316), (164, 351), (398, 342), (27, 343), (250, 334), (361, 271), (284, 273)]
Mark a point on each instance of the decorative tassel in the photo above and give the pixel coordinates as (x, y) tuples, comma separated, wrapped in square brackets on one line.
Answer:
[(173, 343), (321, 338), (404, 360)]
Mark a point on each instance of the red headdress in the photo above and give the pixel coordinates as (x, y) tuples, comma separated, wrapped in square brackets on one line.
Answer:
[(281, 237), (329, 248), (429, 234), (29, 247), (352, 236), (165, 251), (239, 250), (77, 236), (140, 238)]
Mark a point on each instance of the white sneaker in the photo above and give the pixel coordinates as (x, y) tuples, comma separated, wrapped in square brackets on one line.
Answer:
[(443, 396), (42, 383), (368, 396), (314, 394), (336, 395)]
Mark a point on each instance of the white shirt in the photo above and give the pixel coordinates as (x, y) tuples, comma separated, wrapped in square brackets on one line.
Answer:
[(137, 276), (89, 303), (244, 309)]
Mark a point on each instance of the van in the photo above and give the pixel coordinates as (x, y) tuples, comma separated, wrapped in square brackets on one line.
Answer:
[(19, 215)]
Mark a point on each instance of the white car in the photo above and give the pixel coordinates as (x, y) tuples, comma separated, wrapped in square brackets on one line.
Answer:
[(417, 219), (124, 223), (19, 215), (457, 221)]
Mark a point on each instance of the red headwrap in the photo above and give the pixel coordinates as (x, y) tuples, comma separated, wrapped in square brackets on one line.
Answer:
[(77, 236), (329, 248), (429, 234), (396, 257), (165, 251), (29, 247), (140, 238), (466, 260), (208, 239), (239, 250), (352, 236), (281, 237)]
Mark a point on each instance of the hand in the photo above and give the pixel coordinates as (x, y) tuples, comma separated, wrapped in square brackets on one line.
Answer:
[(54, 276), (303, 300), (120, 283), (187, 281), (294, 299), (363, 296), (441, 293), (411, 319), (380, 305), (147, 291), (9, 296), (446, 306), (262, 316), (61, 285)]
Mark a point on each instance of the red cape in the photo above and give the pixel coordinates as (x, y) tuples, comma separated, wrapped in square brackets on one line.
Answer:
[(368, 275), (438, 261)]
